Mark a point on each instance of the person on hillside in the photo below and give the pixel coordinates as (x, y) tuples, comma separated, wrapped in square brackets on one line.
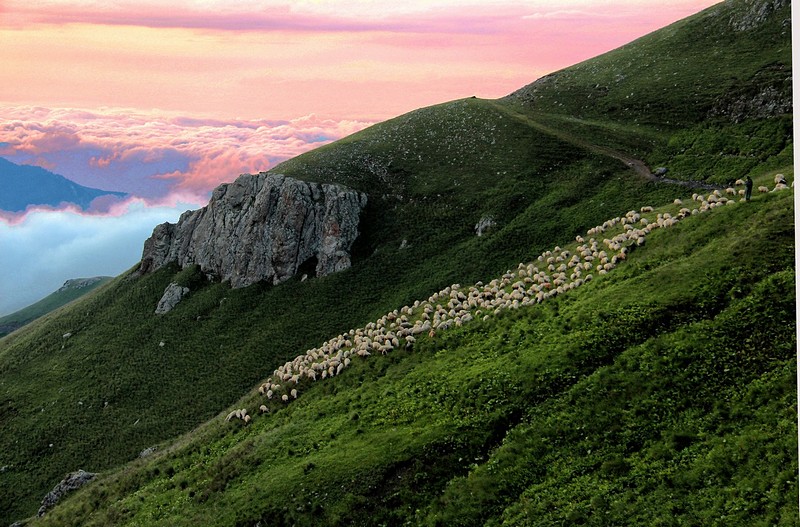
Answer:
[(748, 188)]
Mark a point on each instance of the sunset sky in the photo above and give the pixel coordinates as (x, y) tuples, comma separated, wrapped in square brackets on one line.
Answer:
[(165, 102)]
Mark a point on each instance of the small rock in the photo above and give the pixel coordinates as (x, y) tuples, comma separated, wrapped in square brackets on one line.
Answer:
[(173, 294)]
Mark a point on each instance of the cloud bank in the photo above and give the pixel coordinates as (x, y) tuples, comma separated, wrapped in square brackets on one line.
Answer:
[(49, 247), (159, 154)]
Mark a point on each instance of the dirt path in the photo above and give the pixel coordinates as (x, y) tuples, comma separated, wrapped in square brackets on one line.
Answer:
[(637, 165)]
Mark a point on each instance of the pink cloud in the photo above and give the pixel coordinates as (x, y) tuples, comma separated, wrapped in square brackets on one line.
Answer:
[(155, 155), (445, 17)]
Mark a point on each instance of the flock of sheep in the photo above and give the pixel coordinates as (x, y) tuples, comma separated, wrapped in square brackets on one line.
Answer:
[(553, 273)]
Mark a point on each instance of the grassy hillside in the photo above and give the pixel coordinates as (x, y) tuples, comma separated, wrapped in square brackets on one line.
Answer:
[(72, 290), (128, 379), (709, 97), (111, 390), (662, 393)]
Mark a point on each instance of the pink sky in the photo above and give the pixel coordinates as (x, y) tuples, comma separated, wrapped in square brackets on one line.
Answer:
[(165, 100), (272, 59), (196, 92)]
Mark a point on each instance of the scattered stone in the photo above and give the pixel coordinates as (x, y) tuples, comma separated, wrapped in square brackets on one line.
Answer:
[(147, 452), (485, 223), (173, 294), (71, 482)]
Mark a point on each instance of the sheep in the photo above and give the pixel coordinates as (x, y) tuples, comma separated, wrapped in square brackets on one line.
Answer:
[(240, 413), (263, 408), (731, 191), (739, 182), (763, 189), (526, 286)]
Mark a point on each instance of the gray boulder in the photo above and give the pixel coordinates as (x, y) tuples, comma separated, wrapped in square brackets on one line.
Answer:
[(71, 482), (262, 227), (173, 294)]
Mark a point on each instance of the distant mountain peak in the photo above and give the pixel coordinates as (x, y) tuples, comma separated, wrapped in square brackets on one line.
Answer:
[(28, 185), (80, 283)]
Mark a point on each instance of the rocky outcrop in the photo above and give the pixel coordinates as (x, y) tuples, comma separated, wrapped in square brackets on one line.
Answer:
[(755, 13), (262, 227), (484, 224), (71, 482), (173, 294), (80, 283)]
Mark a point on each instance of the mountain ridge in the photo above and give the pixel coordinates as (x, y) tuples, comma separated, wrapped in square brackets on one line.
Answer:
[(71, 290), (29, 185)]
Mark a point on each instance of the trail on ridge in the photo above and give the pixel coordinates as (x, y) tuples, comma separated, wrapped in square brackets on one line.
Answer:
[(635, 164)]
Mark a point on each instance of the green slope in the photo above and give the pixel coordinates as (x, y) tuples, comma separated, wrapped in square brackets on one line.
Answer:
[(662, 393), (676, 97), (112, 389), (70, 291)]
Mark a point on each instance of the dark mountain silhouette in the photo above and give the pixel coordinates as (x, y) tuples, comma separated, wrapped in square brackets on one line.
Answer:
[(22, 186)]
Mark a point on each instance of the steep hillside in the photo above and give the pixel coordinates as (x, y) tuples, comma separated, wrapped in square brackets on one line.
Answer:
[(113, 389), (525, 180), (71, 290), (709, 97), (662, 392)]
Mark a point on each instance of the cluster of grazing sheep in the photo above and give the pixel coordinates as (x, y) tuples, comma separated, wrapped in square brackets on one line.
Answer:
[(240, 413), (552, 273), (780, 184)]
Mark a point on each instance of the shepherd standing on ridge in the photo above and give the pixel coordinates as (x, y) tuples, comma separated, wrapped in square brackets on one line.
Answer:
[(748, 188)]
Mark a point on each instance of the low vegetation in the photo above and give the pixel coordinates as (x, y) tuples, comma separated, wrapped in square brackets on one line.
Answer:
[(662, 392)]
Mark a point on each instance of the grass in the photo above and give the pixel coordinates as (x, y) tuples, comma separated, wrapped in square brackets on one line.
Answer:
[(620, 402), (462, 423)]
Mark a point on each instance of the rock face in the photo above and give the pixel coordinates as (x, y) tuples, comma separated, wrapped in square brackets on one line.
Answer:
[(172, 295), (72, 481), (756, 12), (262, 227)]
